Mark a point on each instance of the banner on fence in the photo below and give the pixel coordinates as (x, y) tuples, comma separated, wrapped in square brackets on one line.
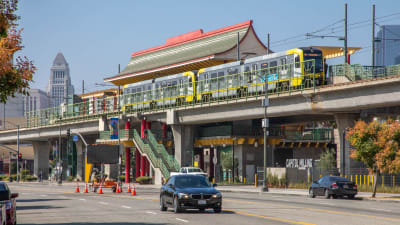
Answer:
[(301, 164)]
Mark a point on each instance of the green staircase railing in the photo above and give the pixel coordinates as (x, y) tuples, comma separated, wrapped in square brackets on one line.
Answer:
[(171, 161), (146, 148)]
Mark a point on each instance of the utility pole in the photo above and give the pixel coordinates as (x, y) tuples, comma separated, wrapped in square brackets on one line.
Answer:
[(373, 36), (268, 43), (237, 44), (59, 180), (83, 86), (345, 34), (119, 137)]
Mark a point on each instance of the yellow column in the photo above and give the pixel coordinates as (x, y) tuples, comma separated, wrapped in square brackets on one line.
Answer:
[(345, 176), (360, 179), (309, 178), (383, 181), (244, 180), (213, 180), (368, 180), (393, 180), (255, 180), (364, 179), (320, 175), (356, 179), (351, 178)]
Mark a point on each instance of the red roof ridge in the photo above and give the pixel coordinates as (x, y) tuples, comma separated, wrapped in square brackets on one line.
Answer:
[(192, 36)]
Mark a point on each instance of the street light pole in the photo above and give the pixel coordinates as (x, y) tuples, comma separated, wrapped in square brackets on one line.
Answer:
[(17, 152), (265, 124), (59, 180)]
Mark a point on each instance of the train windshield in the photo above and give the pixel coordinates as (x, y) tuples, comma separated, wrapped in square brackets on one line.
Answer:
[(309, 58)]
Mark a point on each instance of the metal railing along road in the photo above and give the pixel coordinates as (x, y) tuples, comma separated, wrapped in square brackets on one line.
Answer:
[(283, 79)]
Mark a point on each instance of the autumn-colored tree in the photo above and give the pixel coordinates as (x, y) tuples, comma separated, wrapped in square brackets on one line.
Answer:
[(14, 76), (377, 145)]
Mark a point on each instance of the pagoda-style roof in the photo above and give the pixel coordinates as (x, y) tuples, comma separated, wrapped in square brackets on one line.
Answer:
[(191, 51)]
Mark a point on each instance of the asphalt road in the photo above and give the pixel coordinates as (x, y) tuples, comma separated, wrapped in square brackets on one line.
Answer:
[(53, 204)]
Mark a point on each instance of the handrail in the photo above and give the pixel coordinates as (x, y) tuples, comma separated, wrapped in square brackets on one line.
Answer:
[(173, 164)]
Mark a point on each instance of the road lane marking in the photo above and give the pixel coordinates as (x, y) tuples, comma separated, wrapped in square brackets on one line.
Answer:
[(149, 212), (269, 217), (126, 207), (82, 199), (318, 210), (186, 221), (103, 203), (43, 195)]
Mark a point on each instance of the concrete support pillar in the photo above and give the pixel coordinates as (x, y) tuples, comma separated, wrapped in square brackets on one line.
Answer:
[(343, 121), (183, 140), (41, 150), (138, 157), (80, 160), (127, 165)]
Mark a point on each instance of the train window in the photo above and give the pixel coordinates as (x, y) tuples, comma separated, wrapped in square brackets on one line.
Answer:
[(232, 71), (221, 74), (174, 83), (297, 61), (213, 76), (190, 81)]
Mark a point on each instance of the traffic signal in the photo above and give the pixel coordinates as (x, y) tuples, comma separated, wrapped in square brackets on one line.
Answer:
[(19, 157), (68, 132)]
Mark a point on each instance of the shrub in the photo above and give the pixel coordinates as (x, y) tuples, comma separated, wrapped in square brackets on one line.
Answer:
[(144, 180), (70, 178)]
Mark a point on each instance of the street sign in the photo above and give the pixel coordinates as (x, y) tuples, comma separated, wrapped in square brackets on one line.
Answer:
[(75, 138), (264, 123)]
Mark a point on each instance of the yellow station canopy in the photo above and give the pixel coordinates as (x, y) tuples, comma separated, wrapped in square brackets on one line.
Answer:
[(331, 52)]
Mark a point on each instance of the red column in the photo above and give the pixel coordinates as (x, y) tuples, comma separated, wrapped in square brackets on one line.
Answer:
[(348, 58), (201, 159), (164, 130), (138, 163), (127, 165), (142, 128), (211, 162), (94, 105), (142, 165), (127, 129)]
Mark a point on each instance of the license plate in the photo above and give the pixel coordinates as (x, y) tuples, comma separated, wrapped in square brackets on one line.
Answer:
[(202, 202), (345, 186)]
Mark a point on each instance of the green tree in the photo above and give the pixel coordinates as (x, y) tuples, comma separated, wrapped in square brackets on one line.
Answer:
[(328, 160), (376, 145), (14, 76)]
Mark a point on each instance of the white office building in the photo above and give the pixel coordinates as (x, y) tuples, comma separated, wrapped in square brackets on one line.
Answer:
[(59, 88)]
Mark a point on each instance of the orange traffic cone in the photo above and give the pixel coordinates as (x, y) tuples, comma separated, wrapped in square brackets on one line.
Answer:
[(86, 189), (120, 188), (129, 188), (77, 188), (133, 190), (117, 191), (101, 189)]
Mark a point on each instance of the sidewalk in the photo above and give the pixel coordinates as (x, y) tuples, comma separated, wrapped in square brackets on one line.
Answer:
[(303, 192)]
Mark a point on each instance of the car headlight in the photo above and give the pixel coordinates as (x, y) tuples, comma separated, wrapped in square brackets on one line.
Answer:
[(217, 195), (8, 205), (183, 196)]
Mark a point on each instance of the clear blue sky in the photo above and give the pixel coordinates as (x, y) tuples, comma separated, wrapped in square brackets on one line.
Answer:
[(97, 35)]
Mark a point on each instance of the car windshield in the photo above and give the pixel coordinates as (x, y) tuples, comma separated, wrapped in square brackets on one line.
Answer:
[(191, 181), (191, 170), (3, 187)]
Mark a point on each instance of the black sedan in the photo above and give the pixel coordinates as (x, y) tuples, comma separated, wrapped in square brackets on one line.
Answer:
[(189, 192), (333, 186)]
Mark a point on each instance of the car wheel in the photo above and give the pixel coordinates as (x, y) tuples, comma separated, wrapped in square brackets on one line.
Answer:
[(162, 206), (311, 193), (177, 208), (327, 195), (351, 196), (202, 210), (217, 210), (334, 196), (114, 189)]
